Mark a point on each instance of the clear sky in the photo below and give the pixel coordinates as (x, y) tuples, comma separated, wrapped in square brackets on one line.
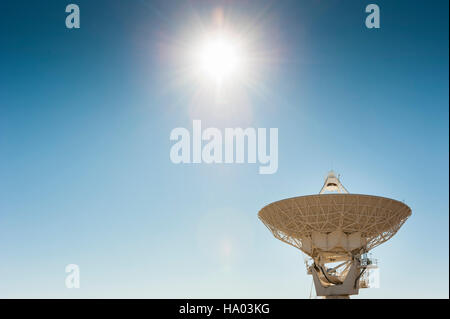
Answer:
[(85, 120)]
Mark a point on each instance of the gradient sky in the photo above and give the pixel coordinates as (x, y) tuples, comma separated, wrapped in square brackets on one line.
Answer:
[(85, 119)]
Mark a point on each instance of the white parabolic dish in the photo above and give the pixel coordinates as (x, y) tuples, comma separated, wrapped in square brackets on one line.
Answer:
[(334, 226)]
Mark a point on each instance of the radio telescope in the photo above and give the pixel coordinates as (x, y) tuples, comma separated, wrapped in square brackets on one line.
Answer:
[(337, 228)]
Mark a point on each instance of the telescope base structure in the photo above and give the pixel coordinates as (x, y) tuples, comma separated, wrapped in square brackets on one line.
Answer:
[(325, 287)]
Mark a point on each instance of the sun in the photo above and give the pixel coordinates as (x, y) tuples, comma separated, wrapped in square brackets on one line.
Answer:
[(219, 58)]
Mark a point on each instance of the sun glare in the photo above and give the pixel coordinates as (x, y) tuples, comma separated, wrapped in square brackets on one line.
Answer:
[(219, 58)]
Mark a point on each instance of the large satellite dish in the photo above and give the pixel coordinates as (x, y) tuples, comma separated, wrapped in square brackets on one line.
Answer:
[(335, 228)]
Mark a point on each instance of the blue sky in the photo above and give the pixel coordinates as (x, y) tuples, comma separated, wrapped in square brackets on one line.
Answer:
[(85, 119)]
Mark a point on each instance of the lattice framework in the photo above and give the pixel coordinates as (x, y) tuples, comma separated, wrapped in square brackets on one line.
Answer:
[(295, 219)]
